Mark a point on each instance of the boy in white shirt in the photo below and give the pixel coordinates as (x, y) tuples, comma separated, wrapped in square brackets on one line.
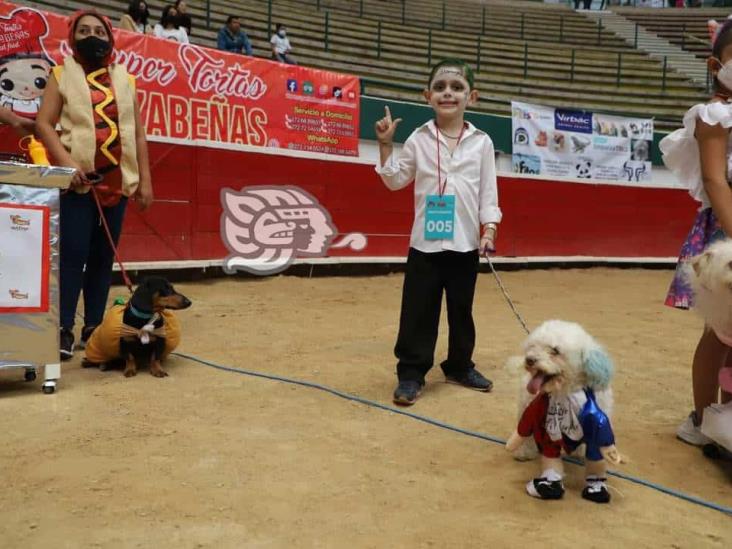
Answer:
[(456, 216)]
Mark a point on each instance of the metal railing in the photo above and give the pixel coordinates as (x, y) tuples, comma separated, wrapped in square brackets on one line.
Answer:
[(480, 58), (366, 83), (441, 23)]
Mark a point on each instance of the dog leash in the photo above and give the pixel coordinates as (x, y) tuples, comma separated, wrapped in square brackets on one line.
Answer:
[(506, 296), (103, 220)]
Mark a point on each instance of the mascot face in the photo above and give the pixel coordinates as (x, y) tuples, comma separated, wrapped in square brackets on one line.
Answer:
[(25, 67), (24, 79)]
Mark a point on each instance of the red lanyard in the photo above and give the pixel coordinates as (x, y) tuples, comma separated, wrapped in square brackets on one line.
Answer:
[(441, 187)]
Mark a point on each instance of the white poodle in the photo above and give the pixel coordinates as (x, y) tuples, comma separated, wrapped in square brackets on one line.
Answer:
[(566, 402), (710, 277)]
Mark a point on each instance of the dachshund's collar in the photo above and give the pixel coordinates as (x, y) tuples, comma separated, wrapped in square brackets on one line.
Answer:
[(140, 314)]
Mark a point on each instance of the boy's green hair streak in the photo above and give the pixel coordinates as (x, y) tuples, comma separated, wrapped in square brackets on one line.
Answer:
[(465, 69)]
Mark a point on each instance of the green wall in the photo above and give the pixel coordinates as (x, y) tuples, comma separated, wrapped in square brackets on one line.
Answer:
[(414, 115)]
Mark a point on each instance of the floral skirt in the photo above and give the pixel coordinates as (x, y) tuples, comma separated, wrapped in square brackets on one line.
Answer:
[(706, 229)]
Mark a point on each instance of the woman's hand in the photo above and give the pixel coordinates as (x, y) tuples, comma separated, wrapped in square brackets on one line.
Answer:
[(23, 126), (144, 195), (79, 179)]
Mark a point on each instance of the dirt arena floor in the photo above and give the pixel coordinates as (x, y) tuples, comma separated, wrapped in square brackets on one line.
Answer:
[(206, 458)]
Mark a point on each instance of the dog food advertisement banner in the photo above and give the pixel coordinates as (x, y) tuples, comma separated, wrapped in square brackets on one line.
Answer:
[(189, 93), (24, 258), (580, 144)]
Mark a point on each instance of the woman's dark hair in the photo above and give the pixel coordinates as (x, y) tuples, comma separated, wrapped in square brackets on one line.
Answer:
[(177, 4), (166, 18), (138, 15), (722, 39)]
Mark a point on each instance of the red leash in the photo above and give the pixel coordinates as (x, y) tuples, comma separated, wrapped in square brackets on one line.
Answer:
[(103, 220)]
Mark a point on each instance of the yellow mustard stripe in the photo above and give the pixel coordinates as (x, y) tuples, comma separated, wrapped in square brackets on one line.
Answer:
[(99, 109)]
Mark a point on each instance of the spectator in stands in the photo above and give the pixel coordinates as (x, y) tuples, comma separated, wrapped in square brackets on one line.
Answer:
[(184, 20), (699, 154), (136, 18), (168, 26), (281, 46), (586, 4), (232, 38), (103, 139), (444, 258)]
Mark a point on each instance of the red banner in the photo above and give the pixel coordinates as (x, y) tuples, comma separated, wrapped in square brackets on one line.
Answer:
[(190, 93)]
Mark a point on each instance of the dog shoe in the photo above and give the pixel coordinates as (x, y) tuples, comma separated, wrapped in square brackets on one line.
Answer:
[(690, 432), (596, 490), (548, 486)]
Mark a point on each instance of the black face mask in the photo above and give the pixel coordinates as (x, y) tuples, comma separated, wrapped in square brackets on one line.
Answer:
[(93, 50)]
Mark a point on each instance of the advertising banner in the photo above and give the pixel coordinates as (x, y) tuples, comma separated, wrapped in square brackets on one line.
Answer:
[(580, 144), (187, 92)]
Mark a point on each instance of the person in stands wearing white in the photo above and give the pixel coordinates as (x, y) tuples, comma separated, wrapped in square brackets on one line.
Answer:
[(281, 47), (169, 27)]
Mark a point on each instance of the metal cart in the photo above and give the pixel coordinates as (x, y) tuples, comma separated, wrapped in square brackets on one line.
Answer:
[(29, 254)]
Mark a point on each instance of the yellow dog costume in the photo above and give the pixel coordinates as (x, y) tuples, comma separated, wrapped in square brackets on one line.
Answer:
[(103, 345)]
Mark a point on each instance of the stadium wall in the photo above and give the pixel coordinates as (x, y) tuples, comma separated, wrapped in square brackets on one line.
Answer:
[(551, 220)]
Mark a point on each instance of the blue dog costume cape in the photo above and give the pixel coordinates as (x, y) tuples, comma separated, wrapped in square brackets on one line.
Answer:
[(596, 429)]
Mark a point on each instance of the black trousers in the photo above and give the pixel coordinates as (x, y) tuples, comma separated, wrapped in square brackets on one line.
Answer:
[(586, 4), (427, 276)]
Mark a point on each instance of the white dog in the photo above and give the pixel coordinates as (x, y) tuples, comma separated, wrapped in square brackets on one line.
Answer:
[(566, 402), (710, 277)]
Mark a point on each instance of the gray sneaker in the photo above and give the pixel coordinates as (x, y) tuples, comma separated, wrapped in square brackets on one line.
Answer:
[(690, 431)]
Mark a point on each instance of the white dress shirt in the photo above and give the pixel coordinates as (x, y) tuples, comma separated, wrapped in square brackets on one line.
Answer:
[(471, 178)]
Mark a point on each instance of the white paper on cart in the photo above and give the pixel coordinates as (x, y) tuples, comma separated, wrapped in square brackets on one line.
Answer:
[(24, 258)]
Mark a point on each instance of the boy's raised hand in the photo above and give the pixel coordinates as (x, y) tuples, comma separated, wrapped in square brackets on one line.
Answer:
[(386, 127)]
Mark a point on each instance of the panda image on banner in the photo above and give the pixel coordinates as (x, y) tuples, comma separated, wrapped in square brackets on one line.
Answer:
[(583, 169)]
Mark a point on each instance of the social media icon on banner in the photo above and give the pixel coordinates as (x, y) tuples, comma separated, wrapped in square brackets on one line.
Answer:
[(292, 86), (351, 95), (337, 92), (308, 88), (323, 90)]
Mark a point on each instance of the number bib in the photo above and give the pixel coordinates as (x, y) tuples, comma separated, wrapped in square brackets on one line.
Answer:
[(439, 217)]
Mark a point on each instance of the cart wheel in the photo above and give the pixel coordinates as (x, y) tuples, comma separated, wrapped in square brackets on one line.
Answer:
[(30, 375), (49, 387)]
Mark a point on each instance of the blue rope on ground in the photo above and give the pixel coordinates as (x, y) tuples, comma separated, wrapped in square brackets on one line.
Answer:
[(443, 425)]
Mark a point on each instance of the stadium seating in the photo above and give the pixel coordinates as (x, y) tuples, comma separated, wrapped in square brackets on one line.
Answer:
[(529, 51)]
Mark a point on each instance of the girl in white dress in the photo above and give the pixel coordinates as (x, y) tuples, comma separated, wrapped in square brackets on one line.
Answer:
[(700, 155)]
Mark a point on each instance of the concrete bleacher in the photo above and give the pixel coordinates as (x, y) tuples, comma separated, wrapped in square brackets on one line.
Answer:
[(686, 28), (510, 32)]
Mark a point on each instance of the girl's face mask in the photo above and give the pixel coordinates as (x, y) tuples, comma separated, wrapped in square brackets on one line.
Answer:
[(724, 76)]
